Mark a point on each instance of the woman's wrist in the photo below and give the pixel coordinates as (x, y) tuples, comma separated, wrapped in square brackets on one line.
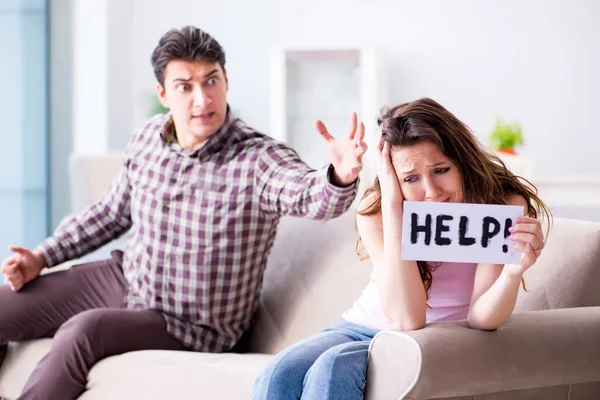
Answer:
[(392, 207), (512, 272)]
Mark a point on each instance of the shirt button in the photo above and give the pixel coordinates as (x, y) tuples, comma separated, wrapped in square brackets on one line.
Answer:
[(173, 181), (165, 208), (163, 238)]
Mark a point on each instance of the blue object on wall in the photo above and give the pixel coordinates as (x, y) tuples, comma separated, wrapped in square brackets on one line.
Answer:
[(24, 105)]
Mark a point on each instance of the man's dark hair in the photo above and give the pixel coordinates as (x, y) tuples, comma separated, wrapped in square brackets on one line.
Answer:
[(188, 44)]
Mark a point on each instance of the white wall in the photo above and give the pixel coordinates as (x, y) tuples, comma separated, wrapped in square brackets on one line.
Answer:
[(535, 61), (120, 89), (90, 76)]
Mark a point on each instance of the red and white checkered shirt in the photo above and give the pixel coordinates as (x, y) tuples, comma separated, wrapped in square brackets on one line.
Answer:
[(201, 224)]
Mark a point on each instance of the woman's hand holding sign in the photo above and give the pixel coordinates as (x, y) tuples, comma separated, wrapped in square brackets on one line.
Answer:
[(529, 240)]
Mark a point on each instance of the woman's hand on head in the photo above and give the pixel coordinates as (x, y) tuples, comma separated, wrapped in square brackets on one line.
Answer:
[(391, 194), (528, 238)]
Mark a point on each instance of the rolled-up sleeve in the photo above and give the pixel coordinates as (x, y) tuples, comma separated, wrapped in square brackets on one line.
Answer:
[(288, 186)]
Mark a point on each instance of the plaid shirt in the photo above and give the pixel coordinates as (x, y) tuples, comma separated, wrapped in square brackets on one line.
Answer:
[(201, 224)]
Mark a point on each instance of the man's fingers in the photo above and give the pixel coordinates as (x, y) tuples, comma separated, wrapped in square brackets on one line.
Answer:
[(12, 273), (9, 265), (320, 126), (9, 260), (360, 136), (17, 249), (352, 125), (15, 287), (11, 268), (12, 261), (360, 150), (15, 279)]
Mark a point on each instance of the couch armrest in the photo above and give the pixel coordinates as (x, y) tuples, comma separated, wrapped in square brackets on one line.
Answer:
[(60, 267), (532, 349)]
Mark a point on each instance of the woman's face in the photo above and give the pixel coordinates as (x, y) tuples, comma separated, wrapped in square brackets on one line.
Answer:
[(426, 174)]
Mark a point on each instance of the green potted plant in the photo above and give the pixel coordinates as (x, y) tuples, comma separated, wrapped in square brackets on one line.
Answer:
[(155, 107), (506, 136)]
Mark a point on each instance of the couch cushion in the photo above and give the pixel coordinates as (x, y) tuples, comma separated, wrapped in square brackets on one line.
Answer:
[(19, 363), (155, 374), (150, 374), (567, 274), (91, 176), (313, 275)]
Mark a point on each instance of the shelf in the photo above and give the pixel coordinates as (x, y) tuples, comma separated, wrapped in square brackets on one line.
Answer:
[(327, 85)]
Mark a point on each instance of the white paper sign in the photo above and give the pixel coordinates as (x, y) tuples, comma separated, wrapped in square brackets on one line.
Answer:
[(459, 232)]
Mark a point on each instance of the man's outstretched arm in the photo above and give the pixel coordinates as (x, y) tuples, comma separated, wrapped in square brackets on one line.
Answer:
[(287, 186)]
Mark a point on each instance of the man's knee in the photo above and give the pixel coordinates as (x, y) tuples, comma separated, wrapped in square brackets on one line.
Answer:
[(82, 327)]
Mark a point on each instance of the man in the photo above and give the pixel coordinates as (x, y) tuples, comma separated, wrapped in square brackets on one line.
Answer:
[(200, 194)]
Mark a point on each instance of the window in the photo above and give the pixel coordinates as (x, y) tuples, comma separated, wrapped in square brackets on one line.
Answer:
[(24, 105)]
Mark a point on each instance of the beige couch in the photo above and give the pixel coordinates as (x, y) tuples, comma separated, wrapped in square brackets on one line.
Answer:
[(549, 349)]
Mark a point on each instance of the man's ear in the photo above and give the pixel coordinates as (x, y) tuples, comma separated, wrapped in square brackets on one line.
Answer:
[(162, 96)]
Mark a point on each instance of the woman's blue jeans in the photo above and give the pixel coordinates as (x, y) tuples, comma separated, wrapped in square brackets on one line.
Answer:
[(329, 365)]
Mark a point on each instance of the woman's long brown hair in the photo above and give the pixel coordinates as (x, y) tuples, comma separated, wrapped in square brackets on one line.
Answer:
[(485, 177)]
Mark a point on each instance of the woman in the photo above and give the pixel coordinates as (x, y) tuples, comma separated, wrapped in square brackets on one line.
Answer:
[(424, 154)]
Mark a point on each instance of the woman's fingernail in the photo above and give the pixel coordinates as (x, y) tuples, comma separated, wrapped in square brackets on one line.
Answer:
[(510, 229), (519, 219)]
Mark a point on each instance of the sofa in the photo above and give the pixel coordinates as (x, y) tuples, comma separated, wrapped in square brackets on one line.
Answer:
[(548, 349)]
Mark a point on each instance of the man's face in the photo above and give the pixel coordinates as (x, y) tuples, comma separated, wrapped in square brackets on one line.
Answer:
[(196, 94)]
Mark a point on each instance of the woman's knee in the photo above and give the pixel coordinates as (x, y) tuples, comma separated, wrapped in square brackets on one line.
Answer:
[(341, 366), (283, 376)]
